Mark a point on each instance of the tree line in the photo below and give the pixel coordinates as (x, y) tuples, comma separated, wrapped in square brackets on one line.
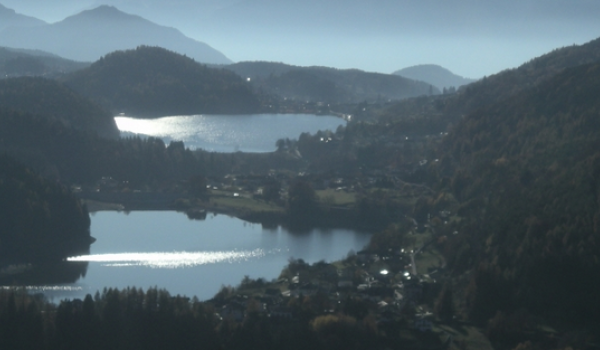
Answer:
[(40, 221), (153, 319)]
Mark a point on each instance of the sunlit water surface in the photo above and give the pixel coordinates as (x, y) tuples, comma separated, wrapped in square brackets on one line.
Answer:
[(167, 250), (229, 133)]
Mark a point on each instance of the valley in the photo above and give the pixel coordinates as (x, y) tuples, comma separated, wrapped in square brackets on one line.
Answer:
[(481, 201)]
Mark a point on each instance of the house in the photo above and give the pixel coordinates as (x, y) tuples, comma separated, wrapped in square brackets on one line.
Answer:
[(306, 289), (423, 323), (413, 291), (281, 312), (233, 311), (345, 283)]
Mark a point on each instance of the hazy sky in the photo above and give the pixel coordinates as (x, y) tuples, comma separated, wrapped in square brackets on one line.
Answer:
[(472, 38)]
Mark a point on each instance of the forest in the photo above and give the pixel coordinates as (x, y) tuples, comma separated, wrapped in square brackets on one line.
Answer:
[(153, 82), (40, 221), (514, 159), (78, 157), (527, 172), (153, 319), (328, 85), (51, 100), (21, 62)]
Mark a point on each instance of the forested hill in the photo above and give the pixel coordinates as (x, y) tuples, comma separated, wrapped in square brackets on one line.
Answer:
[(511, 82), (50, 99), (39, 220), (151, 82), (329, 85), (527, 171), (448, 109), (15, 62)]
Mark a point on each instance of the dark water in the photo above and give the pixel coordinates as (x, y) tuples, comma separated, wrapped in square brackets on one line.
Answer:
[(167, 250)]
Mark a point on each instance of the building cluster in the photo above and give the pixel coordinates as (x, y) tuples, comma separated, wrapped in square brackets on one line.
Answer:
[(381, 286)]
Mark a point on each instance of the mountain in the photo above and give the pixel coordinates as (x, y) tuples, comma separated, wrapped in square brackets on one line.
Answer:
[(21, 62), (51, 100), (511, 82), (152, 82), (435, 75), (523, 161), (476, 37), (91, 34), (527, 172), (328, 85), (443, 111), (9, 18)]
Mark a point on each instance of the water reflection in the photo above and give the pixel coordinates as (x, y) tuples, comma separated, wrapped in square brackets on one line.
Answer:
[(190, 257), (171, 260), (198, 214), (51, 277), (61, 272)]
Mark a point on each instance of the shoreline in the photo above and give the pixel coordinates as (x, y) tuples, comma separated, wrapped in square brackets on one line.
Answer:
[(128, 202)]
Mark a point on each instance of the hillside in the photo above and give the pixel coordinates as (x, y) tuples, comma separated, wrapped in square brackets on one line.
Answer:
[(435, 75), (260, 69), (527, 172), (328, 85), (39, 219), (511, 82), (19, 62), (151, 82), (89, 35), (52, 100), (9, 18), (447, 110)]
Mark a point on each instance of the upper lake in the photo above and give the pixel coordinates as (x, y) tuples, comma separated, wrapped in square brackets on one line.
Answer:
[(229, 133)]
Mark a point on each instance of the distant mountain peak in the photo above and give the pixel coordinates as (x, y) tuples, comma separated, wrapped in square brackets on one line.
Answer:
[(435, 75), (91, 34), (430, 66), (6, 10), (103, 13), (9, 17), (106, 10)]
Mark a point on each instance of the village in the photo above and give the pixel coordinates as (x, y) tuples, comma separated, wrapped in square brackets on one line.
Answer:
[(395, 289)]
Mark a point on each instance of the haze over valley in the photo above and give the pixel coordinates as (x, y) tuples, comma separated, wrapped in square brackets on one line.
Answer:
[(471, 38), (261, 174)]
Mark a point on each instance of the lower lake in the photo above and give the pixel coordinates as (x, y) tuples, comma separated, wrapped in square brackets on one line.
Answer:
[(229, 133), (167, 250)]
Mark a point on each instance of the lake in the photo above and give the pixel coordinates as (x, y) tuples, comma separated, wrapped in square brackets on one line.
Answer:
[(189, 257), (229, 133)]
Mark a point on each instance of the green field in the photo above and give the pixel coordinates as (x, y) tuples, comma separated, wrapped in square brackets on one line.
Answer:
[(244, 203), (336, 198)]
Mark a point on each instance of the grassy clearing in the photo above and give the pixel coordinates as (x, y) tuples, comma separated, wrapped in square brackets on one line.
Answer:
[(428, 259), (469, 336), (412, 338), (244, 203), (336, 198)]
